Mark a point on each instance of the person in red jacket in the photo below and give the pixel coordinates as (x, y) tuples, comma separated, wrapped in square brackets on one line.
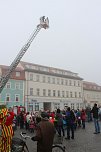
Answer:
[(83, 118), (6, 130)]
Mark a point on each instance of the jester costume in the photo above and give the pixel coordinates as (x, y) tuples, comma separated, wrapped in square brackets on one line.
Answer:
[(6, 130)]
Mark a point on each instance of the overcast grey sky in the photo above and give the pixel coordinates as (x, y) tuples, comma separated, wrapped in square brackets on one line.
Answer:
[(72, 42)]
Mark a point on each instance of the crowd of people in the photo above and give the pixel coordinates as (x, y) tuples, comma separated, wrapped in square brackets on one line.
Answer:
[(63, 120), (47, 124)]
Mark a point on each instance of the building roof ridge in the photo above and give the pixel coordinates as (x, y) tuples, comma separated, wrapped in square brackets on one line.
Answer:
[(23, 62)]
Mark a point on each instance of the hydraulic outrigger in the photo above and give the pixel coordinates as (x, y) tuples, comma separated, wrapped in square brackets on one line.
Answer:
[(44, 23)]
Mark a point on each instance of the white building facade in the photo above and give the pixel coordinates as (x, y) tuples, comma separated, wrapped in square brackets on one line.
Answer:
[(48, 88), (91, 94)]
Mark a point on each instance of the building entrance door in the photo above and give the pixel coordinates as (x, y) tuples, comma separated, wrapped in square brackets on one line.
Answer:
[(47, 106)]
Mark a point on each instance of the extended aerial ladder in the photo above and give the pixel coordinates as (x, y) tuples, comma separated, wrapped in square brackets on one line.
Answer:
[(44, 23)]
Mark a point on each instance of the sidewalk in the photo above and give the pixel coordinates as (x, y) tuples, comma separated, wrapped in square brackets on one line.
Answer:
[(85, 140)]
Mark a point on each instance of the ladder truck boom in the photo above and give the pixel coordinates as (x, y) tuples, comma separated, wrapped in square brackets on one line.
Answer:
[(44, 23)]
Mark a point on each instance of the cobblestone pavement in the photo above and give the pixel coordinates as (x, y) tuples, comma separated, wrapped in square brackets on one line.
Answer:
[(85, 140)]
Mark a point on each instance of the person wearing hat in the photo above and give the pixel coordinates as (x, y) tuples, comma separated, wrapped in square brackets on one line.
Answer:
[(6, 130), (44, 134)]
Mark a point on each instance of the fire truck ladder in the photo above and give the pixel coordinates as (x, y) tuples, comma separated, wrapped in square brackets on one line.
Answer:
[(44, 23)]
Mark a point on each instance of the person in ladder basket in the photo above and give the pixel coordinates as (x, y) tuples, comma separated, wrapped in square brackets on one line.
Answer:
[(6, 130)]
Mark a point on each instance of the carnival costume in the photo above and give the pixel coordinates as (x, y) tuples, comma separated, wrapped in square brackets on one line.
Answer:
[(6, 130)]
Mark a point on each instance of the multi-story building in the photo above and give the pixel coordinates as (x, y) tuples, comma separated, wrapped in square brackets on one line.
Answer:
[(91, 94), (13, 92), (48, 88)]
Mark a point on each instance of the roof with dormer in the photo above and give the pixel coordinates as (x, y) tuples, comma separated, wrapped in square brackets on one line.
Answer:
[(49, 70)]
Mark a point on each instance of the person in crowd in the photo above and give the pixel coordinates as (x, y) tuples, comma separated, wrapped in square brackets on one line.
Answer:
[(28, 116), (14, 123), (52, 114), (88, 113), (78, 116), (59, 125), (33, 116), (76, 121), (21, 120), (70, 118), (99, 113), (38, 119), (44, 134), (52, 117), (64, 122), (32, 126), (94, 111), (6, 130), (18, 119), (83, 118)]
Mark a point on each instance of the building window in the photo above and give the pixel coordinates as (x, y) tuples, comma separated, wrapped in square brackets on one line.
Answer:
[(77, 106), (63, 94), (67, 94), (78, 83), (31, 91), (36, 106), (74, 83), (56, 105), (31, 77), (98, 88), (16, 97), (18, 74), (65, 106), (84, 85), (58, 81), (37, 78), (79, 94), (53, 80), (66, 82), (31, 108), (75, 94), (71, 94), (44, 92), (8, 85), (44, 79), (81, 105), (62, 81), (54, 93), (72, 105), (48, 79), (49, 93), (88, 96), (17, 86), (97, 97), (93, 87), (58, 93), (7, 97), (38, 92), (70, 82)]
